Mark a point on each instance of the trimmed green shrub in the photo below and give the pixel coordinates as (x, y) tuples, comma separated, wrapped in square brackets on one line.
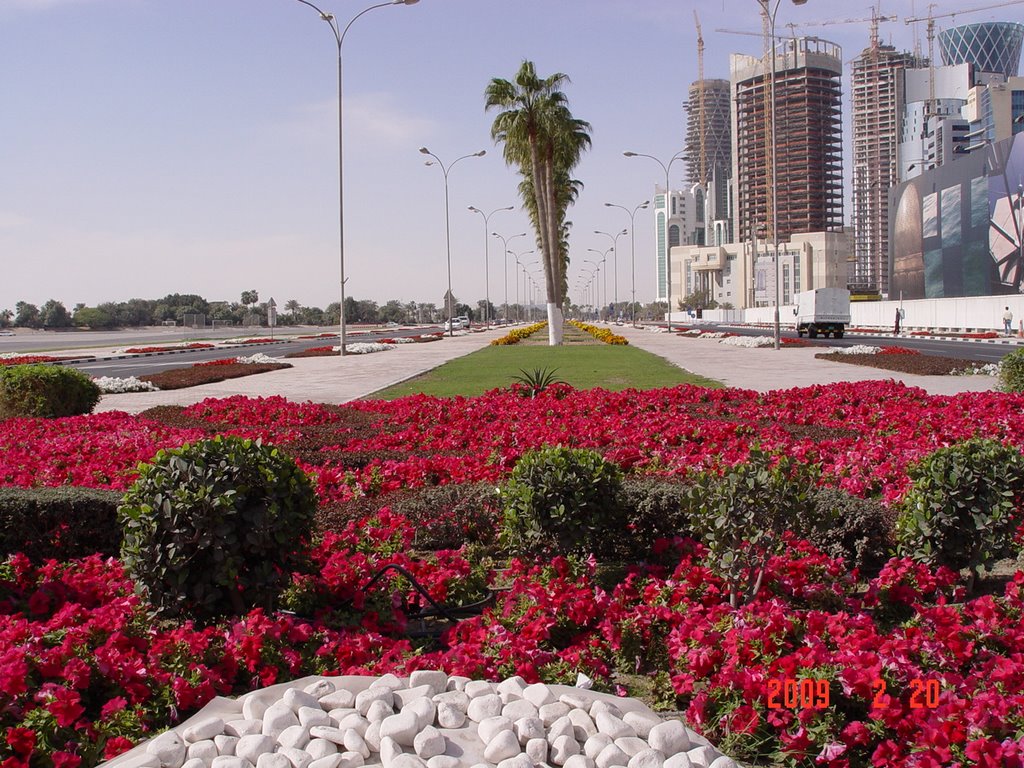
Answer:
[(49, 391), (861, 531), (449, 516), (1011, 372), (215, 527), (59, 523), (742, 514), (964, 505), (654, 508), (561, 501)]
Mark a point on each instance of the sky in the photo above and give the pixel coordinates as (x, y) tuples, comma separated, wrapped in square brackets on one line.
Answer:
[(150, 147)]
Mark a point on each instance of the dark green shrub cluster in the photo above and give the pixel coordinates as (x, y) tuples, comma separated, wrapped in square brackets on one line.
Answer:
[(860, 531), (59, 523), (449, 516), (561, 500), (964, 505), (48, 391), (653, 508), (1011, 372), (215, 527)]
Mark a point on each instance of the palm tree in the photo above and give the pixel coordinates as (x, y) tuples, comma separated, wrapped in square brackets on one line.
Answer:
[(544, 141)]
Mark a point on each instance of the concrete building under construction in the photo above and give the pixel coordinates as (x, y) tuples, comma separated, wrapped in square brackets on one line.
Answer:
[(807, 140), (877, 87), (709, 151)]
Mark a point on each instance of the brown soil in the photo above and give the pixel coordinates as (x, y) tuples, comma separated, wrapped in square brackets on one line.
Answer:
[(923, 365), (179, 378)]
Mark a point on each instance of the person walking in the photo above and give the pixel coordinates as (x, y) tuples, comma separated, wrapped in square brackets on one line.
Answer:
[(1008, 321), (896, 327)]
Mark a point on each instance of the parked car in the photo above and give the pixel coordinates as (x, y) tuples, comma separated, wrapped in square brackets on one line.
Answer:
[(457, 323), (4, 332)]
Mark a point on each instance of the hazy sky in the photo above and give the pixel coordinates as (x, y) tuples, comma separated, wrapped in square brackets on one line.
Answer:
[(158, 146)]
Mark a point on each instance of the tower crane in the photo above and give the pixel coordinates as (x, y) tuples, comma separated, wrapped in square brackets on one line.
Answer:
[(701, 104)]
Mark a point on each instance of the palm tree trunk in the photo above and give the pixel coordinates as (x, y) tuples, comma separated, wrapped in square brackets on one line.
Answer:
[(552, 255)]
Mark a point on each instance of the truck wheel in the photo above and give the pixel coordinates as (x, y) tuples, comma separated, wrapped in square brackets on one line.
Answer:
[(812, 332), (839, 334), (800, 333)]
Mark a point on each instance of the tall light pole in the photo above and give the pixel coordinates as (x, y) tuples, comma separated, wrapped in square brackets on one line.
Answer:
[(632, 246), (668, 194), (519, 309), (504, 247), (615, 251), (770, 14), (597, 271), (339, 37), (604, 258), (487, 268), (526, 276), (447, 223)]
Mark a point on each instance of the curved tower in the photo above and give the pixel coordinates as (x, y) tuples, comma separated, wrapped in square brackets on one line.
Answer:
[(993, 47)]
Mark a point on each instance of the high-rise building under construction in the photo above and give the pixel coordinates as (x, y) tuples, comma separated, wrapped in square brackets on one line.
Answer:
[(709, 147)]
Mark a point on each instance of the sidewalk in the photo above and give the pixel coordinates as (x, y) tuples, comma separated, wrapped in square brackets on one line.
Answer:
[(764, 369), (333, 379)]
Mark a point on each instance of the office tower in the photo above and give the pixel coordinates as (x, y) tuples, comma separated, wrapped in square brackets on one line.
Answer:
[(709, 149)]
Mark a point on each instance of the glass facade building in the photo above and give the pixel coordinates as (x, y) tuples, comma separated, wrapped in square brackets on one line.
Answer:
[(992, 46)]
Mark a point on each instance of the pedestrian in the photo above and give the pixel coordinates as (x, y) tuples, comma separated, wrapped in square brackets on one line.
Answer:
[(896, 327), (1007, 321)]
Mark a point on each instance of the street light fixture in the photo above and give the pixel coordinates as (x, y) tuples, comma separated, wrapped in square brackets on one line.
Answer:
[(487, 267), (519, 309), (668, 194), (632, 246), (770, 14), (504, 247), (447, 223), (339, 38), (597, 271), (615, 250), (604, 258)]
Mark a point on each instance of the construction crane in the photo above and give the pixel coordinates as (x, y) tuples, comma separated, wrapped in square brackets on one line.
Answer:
[(874, 20), (701, 105)]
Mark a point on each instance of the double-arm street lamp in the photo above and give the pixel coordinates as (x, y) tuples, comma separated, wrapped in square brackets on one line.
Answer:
[(597, 271), (615, 252), (487, 268), (447, 223), (632, 247), (515, 256), (504, 247), (339, 37), (604, 258), (668, 195), (770, 13)]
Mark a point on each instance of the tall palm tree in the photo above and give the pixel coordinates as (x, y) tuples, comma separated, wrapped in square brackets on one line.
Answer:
[(544, 142)]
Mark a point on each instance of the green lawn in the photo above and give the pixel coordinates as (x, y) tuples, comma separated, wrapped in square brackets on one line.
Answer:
[(583, 366)]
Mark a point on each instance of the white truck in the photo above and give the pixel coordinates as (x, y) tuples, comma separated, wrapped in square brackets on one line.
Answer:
[(825, 311)]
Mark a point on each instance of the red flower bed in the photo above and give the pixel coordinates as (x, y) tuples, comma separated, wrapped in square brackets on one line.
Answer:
[(222, 361), (32, 359), (171, 348), (898, 351)]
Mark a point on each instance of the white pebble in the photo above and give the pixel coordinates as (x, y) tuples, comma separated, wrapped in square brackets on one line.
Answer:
[(575, 701), (579, 761), (551, 712), (297, 757), (225, 744), (702, 756), (342, 698), (388, 681), (372, 736), (457, 699), (561, 727), (443, 761), (593, 746), (297, 698), (273, 760), (515, 684), (168, 748), (310, 716), (340, 713), (435, 678), (539, 694), (204, 750), (378, 711), (632, 745), (330, 733), (450, 716), (583, 724), (641, 722), (294, 736), (408, 761), (328, 761), (389, 750), (669, 738), (457, 682), (516, 710), (529, 728), (519, 761), (482, 707), (206, 728), (254, 706), (647, 758), (611, 755), (614, 727), (600, 705), (476, 688), (503, 745), (406, 695), (354, 721), (355, 743), (401, 727), (243, 727), (429, 743), (195, 762), (681, 760), (318, 748), (278, 717), (537, 750), (372, 694), (228, 761), (252, 746), (490, 727), (563, 748), (351, 760), (424, 709), (320, 688)]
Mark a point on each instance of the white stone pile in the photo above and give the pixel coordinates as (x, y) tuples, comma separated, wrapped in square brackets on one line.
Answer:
[(429, 720)]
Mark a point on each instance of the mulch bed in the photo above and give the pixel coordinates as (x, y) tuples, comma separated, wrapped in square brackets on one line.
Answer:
[(315, 352), (923, 365), (180, 378)]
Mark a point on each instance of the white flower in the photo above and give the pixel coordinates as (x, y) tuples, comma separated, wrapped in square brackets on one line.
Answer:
[(113, 385), (692, 332), (258, 359), (364, 348), (859, 349), (988, 369), (749, 342), (713, 335), (403, 340)]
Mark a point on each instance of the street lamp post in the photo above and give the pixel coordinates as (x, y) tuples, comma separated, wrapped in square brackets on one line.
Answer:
[(519, 309), (504, 247), (604, 258), (447, 223), (615, 251), (770, 154), (668, 194), (339, 37), (632, 247), (487, 267), (597, 285)]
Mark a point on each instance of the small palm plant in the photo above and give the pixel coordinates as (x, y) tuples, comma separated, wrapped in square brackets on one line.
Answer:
[(537, 381)]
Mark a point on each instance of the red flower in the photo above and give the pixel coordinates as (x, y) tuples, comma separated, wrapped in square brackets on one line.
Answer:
[(21, 740), (66, 760), (116, 746), (112, 707), (66, 707)]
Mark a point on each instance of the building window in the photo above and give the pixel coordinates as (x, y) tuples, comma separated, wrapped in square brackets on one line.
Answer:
[(673, 235)]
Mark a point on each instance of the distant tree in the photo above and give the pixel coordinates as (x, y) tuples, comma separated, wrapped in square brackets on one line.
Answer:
[(54, 314), (464, 309), (430, 313), (292, 307), (92, 317), (697, 300), (367, 312), (486, 310), (27, 315), (5, 318), (392, 312), (331, 315), (250, 297)]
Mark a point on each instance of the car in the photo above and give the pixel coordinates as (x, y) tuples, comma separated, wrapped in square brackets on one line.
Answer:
[(457, 323), (5, 332)]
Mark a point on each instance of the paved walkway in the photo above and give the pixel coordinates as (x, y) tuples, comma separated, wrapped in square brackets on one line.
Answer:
[(341, 379)]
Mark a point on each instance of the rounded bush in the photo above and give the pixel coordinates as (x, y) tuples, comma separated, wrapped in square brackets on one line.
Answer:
[(216, 527), (964, 505), (1011, 372), (561, 501), (47, 391)]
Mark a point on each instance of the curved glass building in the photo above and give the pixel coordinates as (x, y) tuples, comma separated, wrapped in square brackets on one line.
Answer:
[(991, 46)]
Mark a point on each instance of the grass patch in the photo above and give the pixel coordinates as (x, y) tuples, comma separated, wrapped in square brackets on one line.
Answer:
[(584, 366)]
